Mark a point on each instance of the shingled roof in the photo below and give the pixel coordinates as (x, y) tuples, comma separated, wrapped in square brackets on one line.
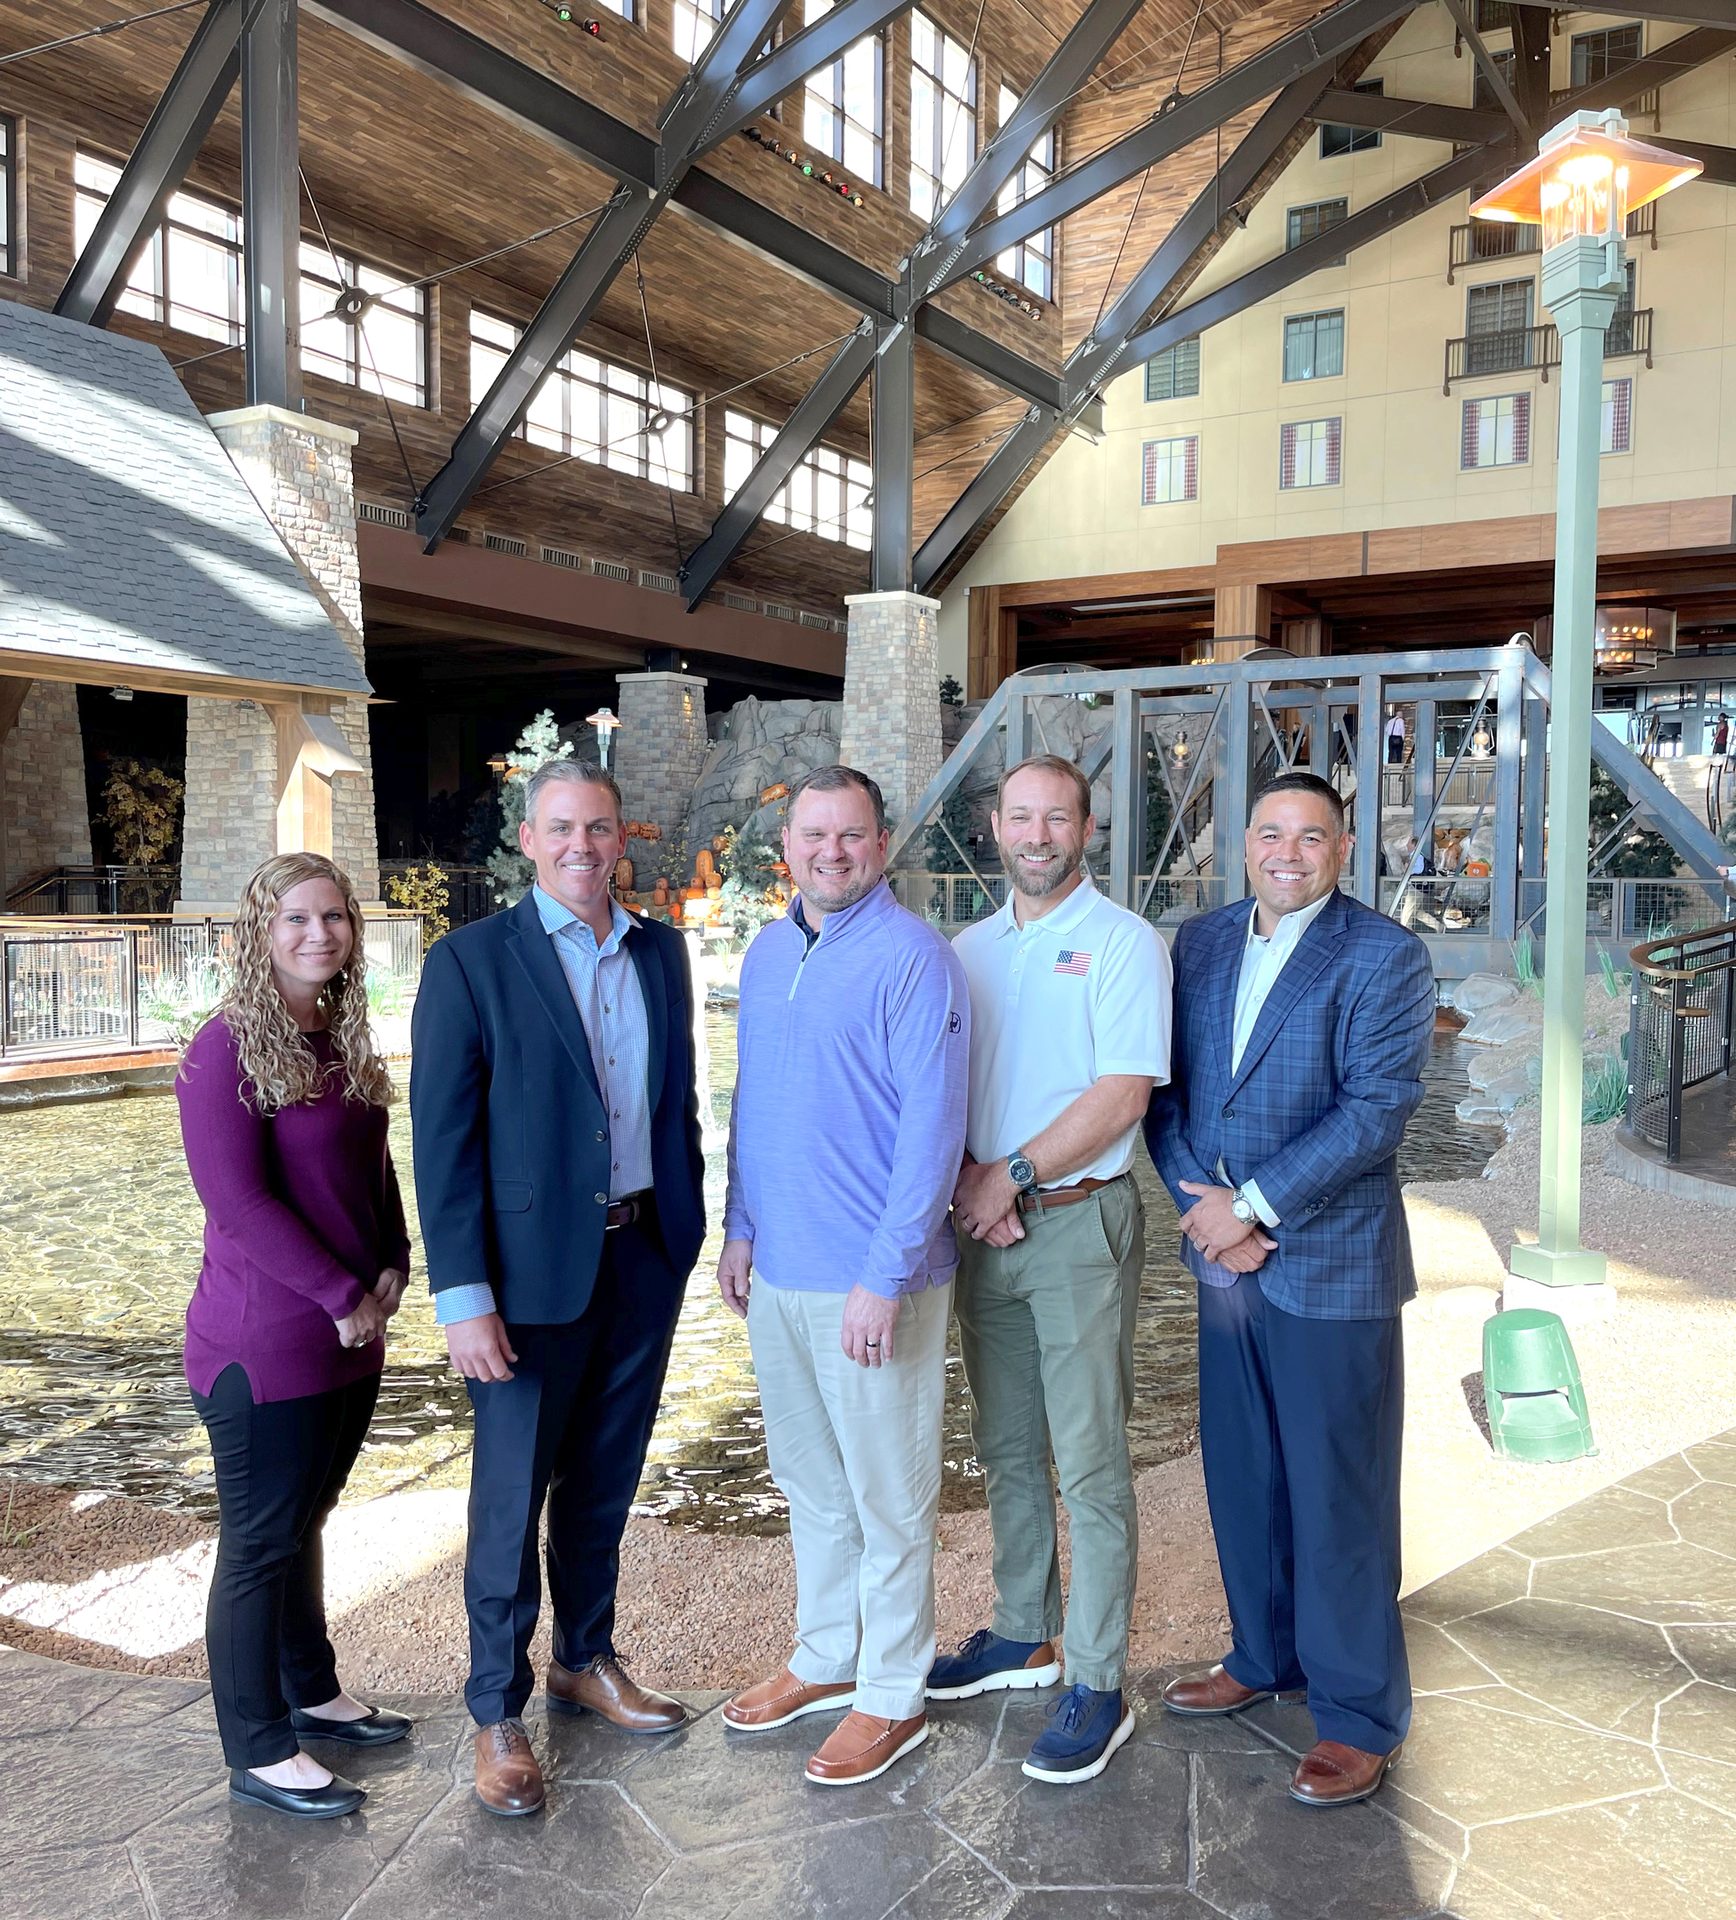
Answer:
[(128, 541)]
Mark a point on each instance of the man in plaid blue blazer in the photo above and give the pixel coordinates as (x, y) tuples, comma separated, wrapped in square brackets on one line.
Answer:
[(1302, 1026)]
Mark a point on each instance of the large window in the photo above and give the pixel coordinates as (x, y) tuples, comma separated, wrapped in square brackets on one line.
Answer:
[(694, 22), (1170, 470), (1599, 54), (1498, 327), (1496, 432), (843, 105), (1310, 453), (826, 495), (1482, 94), (1616, 434), (387, 352), (594, 410), (1303, 224), (1337, 140), (1031, 262), (1174, 374), (1314, 345), (943, 104), (8, 220)]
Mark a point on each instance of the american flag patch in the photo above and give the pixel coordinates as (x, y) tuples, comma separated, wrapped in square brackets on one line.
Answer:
[(1071, 960)]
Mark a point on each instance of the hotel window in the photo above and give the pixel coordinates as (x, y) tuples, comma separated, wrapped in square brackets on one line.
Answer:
[(827, 494), (1340, 140), (1174, 374), (1031, 262), (1303, 224), (594, 410), (1493, 15), (8, 220), (190, 273), (386, 351), (1314, 345), (1170, 471), (1599, 54), (943, 102), (1498, 327), (1617, 429), (1310, 453), (694, 22), (1496, 432), (843, 105), (1482, 94), (625, 8)]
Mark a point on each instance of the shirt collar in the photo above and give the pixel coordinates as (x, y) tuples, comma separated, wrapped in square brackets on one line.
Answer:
[(1063, 919), (1291, 928), (556, 919), (877, 896)]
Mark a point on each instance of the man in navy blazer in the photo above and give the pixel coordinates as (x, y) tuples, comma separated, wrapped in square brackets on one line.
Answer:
[(1303, 1023), (558, 1170)]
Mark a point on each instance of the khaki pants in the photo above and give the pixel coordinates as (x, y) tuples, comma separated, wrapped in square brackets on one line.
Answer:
[(1046, 1326), (856, 1451)]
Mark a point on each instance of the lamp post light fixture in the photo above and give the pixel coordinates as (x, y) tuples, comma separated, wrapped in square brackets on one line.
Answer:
[(605, 723), (1587, 178)]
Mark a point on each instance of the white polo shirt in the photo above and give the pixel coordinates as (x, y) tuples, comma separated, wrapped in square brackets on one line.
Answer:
[(1054, 1006)]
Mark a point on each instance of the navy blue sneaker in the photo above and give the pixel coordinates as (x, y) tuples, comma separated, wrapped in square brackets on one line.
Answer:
[(1083, 1731), (985, 1663)]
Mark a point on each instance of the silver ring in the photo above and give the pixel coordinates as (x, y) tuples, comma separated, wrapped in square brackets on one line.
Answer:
[(870, 1343)]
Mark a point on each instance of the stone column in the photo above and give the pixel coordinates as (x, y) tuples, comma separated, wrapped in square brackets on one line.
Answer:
[(44, 815), (891, 727), (298, 469), (660, 745)]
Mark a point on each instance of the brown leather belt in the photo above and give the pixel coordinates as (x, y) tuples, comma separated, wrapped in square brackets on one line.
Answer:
[(1041, 1200), (622, 1213)]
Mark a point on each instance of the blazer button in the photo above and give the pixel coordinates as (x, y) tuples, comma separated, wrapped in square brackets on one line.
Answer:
[(601, 1137), (1229, 1113), (602, 1199)]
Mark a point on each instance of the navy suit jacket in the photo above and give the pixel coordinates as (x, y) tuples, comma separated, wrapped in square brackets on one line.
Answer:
[(1329, 1078), (510, 1133)]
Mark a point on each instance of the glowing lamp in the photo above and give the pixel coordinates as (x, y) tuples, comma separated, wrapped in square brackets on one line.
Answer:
[(605, 723), (1587, 178)]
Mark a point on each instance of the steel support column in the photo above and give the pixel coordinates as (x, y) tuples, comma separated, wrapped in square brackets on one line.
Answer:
[(174, 133), (271, 204), (1369, 824), (1509, 734), (1232, 773), (1535, 797), (1424, 771), (1126, 798), (894, 444)]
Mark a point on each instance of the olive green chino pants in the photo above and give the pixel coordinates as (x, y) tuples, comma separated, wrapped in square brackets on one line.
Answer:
[(1046, 1329)]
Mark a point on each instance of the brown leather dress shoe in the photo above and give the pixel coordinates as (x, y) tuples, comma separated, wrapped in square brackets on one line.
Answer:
[(781, 1699), (863, 1747), (604, 1686), (1213, 1692), (1333, 1775), (508, 1779)]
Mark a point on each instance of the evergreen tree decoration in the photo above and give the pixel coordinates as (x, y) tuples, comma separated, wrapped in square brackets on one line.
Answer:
[(1639, 854), (540, 742), (1157, 807)]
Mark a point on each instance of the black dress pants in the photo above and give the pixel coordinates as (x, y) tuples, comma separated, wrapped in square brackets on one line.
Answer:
[(569, 1429), (280, 1468)]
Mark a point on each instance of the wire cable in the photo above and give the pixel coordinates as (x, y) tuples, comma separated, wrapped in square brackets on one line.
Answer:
[(92, 33), (651, 355)]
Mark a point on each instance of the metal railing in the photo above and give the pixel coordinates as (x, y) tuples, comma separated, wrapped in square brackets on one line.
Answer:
[(1512, 350), (95, 986), (1476, 241), (1471, 785), (87, 891), (1630, 909), (1679, 1023), (948, 899), (470, 890), (1630, 334)]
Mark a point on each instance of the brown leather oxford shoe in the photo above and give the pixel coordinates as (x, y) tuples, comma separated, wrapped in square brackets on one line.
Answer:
[(1213, 1692), (1333, 1775), (508, 1779), (863, 1746), (603, 1686)]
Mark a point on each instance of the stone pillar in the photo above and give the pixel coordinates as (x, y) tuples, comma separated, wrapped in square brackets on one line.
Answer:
[(298, 469), (660, 745), (891, 727), (44, 816)]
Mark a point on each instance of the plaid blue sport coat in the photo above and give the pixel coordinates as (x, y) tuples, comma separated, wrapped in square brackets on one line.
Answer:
[(1329, 1078)]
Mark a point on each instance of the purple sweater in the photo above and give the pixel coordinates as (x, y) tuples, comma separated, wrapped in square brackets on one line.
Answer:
[(302, 1212)]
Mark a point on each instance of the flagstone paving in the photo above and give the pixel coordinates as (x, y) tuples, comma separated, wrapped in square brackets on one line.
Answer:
[(1573, 1758)]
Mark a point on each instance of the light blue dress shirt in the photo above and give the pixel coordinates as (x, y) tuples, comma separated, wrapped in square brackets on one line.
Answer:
[(604, 984)]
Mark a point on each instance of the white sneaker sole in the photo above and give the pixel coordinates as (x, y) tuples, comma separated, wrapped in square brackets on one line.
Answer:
[(833, 1704), (856, 1780), (1119, 1738), (1018, 1679)]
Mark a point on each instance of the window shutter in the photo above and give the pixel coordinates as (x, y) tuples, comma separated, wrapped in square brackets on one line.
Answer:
[(1621, 415), (1190, 487), (1470, 434), (1521, 428), (1334, 451), (1287, 457), (1148, 479)]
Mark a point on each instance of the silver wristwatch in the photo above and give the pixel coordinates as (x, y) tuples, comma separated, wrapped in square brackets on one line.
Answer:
[(1243, 1208)]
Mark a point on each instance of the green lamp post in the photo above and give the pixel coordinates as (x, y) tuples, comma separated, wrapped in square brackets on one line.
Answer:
[(1587, 178)]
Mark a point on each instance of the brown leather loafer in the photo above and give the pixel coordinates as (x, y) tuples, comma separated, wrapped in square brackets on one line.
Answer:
[(604, 1686), (1333, 1775), (781, 1699), (1213, 1692), (863, 1747), (508, 1779)]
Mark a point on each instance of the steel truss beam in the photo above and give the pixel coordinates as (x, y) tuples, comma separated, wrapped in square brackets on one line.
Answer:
[(1626, 84), (1687, 13), (1423, 119), (174, 133), (813, 414), (271, 203), (817, 45), (894, 402), (1531, 65), (1490, 69), (1176, 125)]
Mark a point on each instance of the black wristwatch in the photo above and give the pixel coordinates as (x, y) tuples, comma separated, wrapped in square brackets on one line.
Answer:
[(1021, 1172)]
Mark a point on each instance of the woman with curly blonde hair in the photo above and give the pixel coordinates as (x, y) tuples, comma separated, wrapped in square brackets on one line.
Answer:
[(283, 1111)]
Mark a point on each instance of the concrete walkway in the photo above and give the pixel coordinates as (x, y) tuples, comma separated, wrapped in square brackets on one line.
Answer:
[(1574, 1755)]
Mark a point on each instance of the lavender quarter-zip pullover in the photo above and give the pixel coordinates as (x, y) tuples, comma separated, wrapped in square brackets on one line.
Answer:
[(853, 1052)]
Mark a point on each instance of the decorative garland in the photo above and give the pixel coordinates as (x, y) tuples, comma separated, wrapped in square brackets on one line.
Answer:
[(809, 169)]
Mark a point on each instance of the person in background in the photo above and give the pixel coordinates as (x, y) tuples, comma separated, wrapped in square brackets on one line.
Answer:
[(1394, 735), (283, 1112)]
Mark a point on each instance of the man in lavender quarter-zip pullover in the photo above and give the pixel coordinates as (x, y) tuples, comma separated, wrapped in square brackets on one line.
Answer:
[(845, 1141)]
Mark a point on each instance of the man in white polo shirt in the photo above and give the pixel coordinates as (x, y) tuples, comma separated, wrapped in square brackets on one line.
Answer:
[(1070, 1020)]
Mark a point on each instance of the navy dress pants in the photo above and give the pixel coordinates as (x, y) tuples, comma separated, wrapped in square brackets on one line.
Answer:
[(569, 1430), (1301, 1425)]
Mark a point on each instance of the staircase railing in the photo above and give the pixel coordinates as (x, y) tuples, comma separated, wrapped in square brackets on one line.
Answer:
[(1680, 1012)]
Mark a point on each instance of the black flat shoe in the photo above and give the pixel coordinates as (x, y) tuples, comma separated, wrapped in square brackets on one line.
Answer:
[(330, 1802), (378, 1728)]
